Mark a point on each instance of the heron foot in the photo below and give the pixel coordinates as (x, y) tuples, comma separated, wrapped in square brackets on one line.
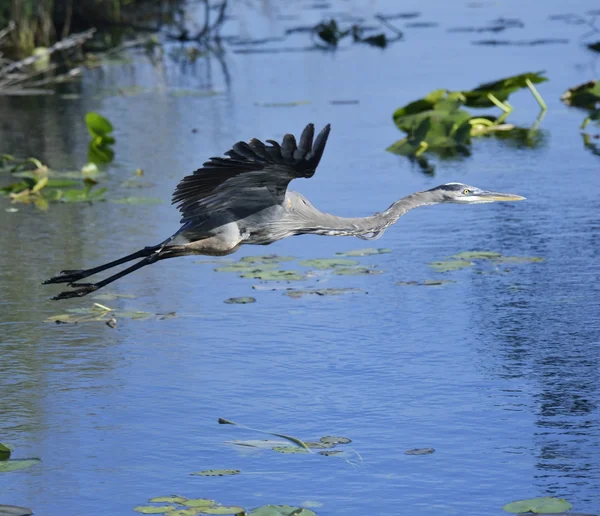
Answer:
[(83, 290), (68, 276)]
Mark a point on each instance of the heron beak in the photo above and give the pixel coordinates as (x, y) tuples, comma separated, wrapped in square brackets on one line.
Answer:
[(487, 196)]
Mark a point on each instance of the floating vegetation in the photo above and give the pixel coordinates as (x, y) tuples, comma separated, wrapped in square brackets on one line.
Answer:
[(281, 510), (469, 258), (267, 258), (356, 271), (474, 255), (100, 129), (240, 300), (217, 472), (7, 464), (246, 267), (542, 505), (137, 200), (296, 446), (438, 123), (97, 313), (419, 451), (369, 251), (327, 263), (293, 440), (449, 265), (586, 95), (298, 293), (195, 506), (275, 275), (425, 283)]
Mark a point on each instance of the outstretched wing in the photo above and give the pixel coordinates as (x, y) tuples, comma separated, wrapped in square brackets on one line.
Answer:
[(253, 177)]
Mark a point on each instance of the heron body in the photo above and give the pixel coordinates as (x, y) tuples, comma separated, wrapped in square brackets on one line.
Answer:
[(244, 199)]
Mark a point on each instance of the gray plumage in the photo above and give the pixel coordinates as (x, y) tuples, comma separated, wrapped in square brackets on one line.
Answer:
[(244, 199)]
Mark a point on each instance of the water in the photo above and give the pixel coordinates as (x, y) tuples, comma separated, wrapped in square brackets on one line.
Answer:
[(498, 372)]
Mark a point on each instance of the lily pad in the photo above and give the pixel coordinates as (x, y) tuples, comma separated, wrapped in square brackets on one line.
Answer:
[(192, 511), (281, 510), (450, 265), (297, 293), (16, 464), (199, 502), (424, 283), (247, 268), (240, 300), (289, 449), (267, 258), (217, 472), (5, 452), (275, 275), (544, 504), (328, 263), (222, 509), (333, 440), (153, 509), (419, 451), (586, 95), (168, 499), (356, 271), (331, 452), (475, 255), (520, 259), (370, 251)]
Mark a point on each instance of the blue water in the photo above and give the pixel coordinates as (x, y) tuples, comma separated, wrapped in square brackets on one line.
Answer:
[(498, 372)]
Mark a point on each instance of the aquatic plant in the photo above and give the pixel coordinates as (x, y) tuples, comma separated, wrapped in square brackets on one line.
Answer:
[(438, 122)]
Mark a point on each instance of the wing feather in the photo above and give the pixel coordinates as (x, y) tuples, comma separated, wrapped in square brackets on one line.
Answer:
[(254, 176)]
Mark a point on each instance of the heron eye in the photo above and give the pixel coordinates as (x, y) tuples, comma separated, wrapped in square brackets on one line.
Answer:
[(466, 191)]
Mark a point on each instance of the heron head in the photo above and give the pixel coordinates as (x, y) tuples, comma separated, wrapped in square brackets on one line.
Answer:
[(464, 194)]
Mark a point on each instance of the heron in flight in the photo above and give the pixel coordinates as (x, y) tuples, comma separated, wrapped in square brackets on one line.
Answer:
[(244, 199)]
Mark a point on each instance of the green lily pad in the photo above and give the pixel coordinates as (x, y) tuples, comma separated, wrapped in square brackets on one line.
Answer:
[(275, 275), (267, 258), (356, 271), (297, 293), (370, 251), (153, 509), (419, 451), (289, 449), (222, 509), (328, 263), (246, 268), (168, 499), (545, 504), (331, 452), (586, 95), (281, 510), (520, 259), (192, 511), (333, 440), (449, 265), (217, 472), (475, 255), (240, 300), (199, 502), (424, 283), (5, 452), (16, 464)]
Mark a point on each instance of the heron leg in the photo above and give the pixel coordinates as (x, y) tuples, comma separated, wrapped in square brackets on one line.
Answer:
[(87, 288), (70, 276)]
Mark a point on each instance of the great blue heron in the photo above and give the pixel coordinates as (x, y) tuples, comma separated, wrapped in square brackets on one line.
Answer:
[(244, 199)]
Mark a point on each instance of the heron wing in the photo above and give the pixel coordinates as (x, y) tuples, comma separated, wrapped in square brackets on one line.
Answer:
[(253, 176)]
